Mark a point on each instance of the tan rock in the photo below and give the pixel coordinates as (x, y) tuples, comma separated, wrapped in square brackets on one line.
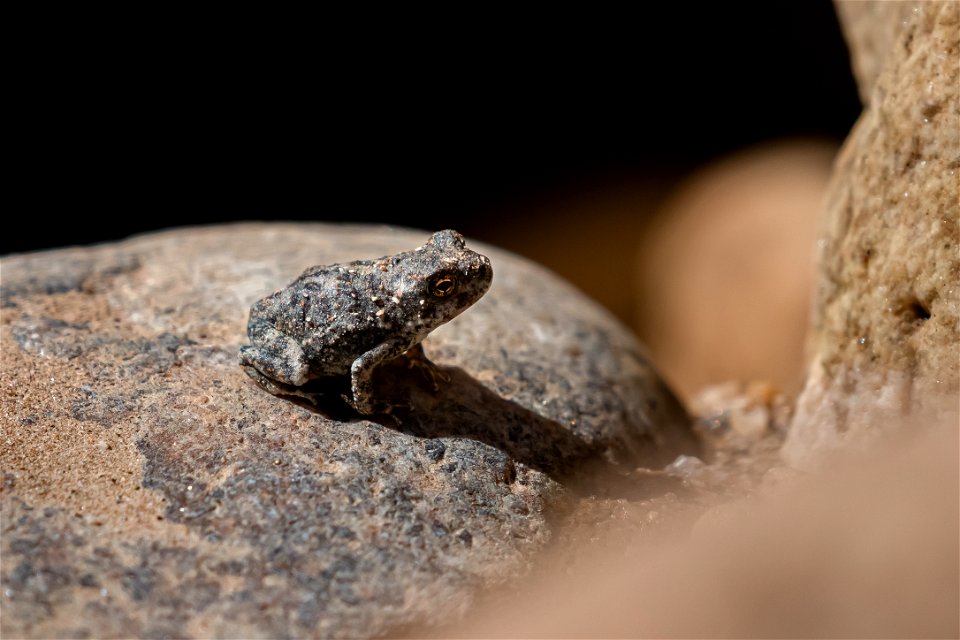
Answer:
[(885, 320), (870, 29), (725, 271)]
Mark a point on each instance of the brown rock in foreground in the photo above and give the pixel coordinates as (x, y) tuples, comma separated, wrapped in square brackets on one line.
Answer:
[(866, 548), (151, 489), (886, 334)]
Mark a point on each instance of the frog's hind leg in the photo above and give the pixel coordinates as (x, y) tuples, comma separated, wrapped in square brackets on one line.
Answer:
[(275, 356), (278, 388)]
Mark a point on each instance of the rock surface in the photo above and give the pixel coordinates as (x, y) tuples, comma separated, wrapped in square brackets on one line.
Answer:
[(151, 489), (886, 321)]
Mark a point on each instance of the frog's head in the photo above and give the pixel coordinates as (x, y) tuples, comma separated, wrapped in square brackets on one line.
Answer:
[(450, 278)]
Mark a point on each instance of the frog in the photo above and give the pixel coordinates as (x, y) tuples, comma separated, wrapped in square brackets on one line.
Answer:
[(344, 320)]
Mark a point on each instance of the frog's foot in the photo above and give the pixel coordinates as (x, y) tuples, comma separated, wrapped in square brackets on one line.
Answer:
[(371, 408), (280, 388), (417, 359)]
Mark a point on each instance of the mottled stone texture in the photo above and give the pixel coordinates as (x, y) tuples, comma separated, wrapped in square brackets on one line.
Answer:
[(151, 489), (886, 334)]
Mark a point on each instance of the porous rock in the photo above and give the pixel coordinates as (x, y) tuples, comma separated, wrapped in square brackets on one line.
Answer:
[(886, 318), (150, 488)]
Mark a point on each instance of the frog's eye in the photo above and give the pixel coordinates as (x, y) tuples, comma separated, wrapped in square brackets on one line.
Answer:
[(443, 286)]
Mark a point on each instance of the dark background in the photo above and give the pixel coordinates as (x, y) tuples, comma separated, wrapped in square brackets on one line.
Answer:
[(151, 121)]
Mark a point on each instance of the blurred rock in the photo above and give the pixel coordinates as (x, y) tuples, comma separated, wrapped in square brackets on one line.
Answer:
[(150, 488), (866, 548), (751, 423), (725, 271), (886, 333), (736, 417)]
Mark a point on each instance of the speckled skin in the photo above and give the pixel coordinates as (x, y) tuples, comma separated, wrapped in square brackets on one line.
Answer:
[(348, 318)]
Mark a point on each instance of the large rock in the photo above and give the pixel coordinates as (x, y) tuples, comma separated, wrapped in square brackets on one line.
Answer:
[(151, 489), (886, 334)]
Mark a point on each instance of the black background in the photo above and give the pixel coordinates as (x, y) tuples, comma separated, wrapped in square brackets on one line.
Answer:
[(130, 123)]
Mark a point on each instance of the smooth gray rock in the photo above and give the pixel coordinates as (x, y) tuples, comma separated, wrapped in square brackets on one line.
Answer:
[(150, 488)]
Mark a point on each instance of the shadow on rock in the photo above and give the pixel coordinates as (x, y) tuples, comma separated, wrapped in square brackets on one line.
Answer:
[(463, 407), (460, 407)]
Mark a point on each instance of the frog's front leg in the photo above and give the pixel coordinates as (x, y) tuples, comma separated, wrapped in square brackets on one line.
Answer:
[(275, 356), (361, 373), (416, 358)]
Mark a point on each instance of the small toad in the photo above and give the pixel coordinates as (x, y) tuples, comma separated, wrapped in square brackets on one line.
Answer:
[(348, 318)]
